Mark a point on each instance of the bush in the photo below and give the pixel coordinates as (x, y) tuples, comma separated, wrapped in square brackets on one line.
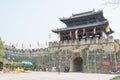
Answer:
[(116, 78)]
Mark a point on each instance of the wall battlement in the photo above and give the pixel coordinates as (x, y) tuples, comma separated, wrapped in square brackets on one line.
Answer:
[(81, 42), (92, 51), (22, 51), (61, 44)]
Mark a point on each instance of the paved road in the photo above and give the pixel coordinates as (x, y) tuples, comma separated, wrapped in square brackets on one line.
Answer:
[(54, 76)]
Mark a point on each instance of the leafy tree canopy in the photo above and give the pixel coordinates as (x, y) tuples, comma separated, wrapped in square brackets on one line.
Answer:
[(1, 48)]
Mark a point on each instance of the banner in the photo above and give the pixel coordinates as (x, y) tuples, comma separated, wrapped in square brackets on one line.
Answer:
[(108, 29), (70, 34), (38, 44), (30, 45), (76, 34), (10, 44), (49, 36), (17, 44), (22, 45), (46, 43), (83, 31), (94, 30), (58, 35)]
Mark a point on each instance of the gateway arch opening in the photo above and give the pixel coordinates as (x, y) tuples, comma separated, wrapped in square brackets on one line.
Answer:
[(78, 64)]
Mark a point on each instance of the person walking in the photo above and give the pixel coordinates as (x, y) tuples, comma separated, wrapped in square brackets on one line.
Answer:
[(58, 69)]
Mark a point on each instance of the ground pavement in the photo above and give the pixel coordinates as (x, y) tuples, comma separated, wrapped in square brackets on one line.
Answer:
[(54, 76)]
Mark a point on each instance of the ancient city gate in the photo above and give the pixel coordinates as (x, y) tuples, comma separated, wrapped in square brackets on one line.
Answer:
[(77, 64), (72, 59)]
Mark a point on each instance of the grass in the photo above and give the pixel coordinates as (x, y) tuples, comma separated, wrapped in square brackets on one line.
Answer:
[(116, 78)]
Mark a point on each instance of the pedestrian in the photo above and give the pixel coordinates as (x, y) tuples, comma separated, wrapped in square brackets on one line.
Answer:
[(4, 69), (58, 69)]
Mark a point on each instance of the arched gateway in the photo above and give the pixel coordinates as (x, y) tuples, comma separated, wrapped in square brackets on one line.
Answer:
[(76, 64)]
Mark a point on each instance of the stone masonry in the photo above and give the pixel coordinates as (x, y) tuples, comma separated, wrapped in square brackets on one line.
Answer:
[(91, 55)]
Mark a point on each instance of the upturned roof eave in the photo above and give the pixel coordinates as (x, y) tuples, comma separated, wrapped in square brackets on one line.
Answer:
[(74, 16), (80, 26)]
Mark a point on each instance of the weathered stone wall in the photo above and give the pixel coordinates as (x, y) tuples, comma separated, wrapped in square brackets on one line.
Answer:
[(93, 52)]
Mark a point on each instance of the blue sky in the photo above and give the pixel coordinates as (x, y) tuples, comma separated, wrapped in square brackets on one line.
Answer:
[(29, 21)]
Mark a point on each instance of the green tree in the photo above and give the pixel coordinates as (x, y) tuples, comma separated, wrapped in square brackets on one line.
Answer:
[(1, 48)]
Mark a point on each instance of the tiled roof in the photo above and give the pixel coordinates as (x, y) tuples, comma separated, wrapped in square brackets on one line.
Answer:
[(81, 15), (81, 26)]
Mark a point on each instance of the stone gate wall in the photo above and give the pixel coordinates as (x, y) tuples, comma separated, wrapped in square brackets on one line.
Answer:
[(93, 52)]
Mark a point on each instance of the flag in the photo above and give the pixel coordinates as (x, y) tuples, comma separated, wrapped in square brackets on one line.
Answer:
[(94, 30), (22, 45), (30, 45), (10, 44), (70, 34), (38, 44), (46, 43), (17, 44), (49, 36), (76, 34), (58, 35), (83, 31), (108, 29)]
